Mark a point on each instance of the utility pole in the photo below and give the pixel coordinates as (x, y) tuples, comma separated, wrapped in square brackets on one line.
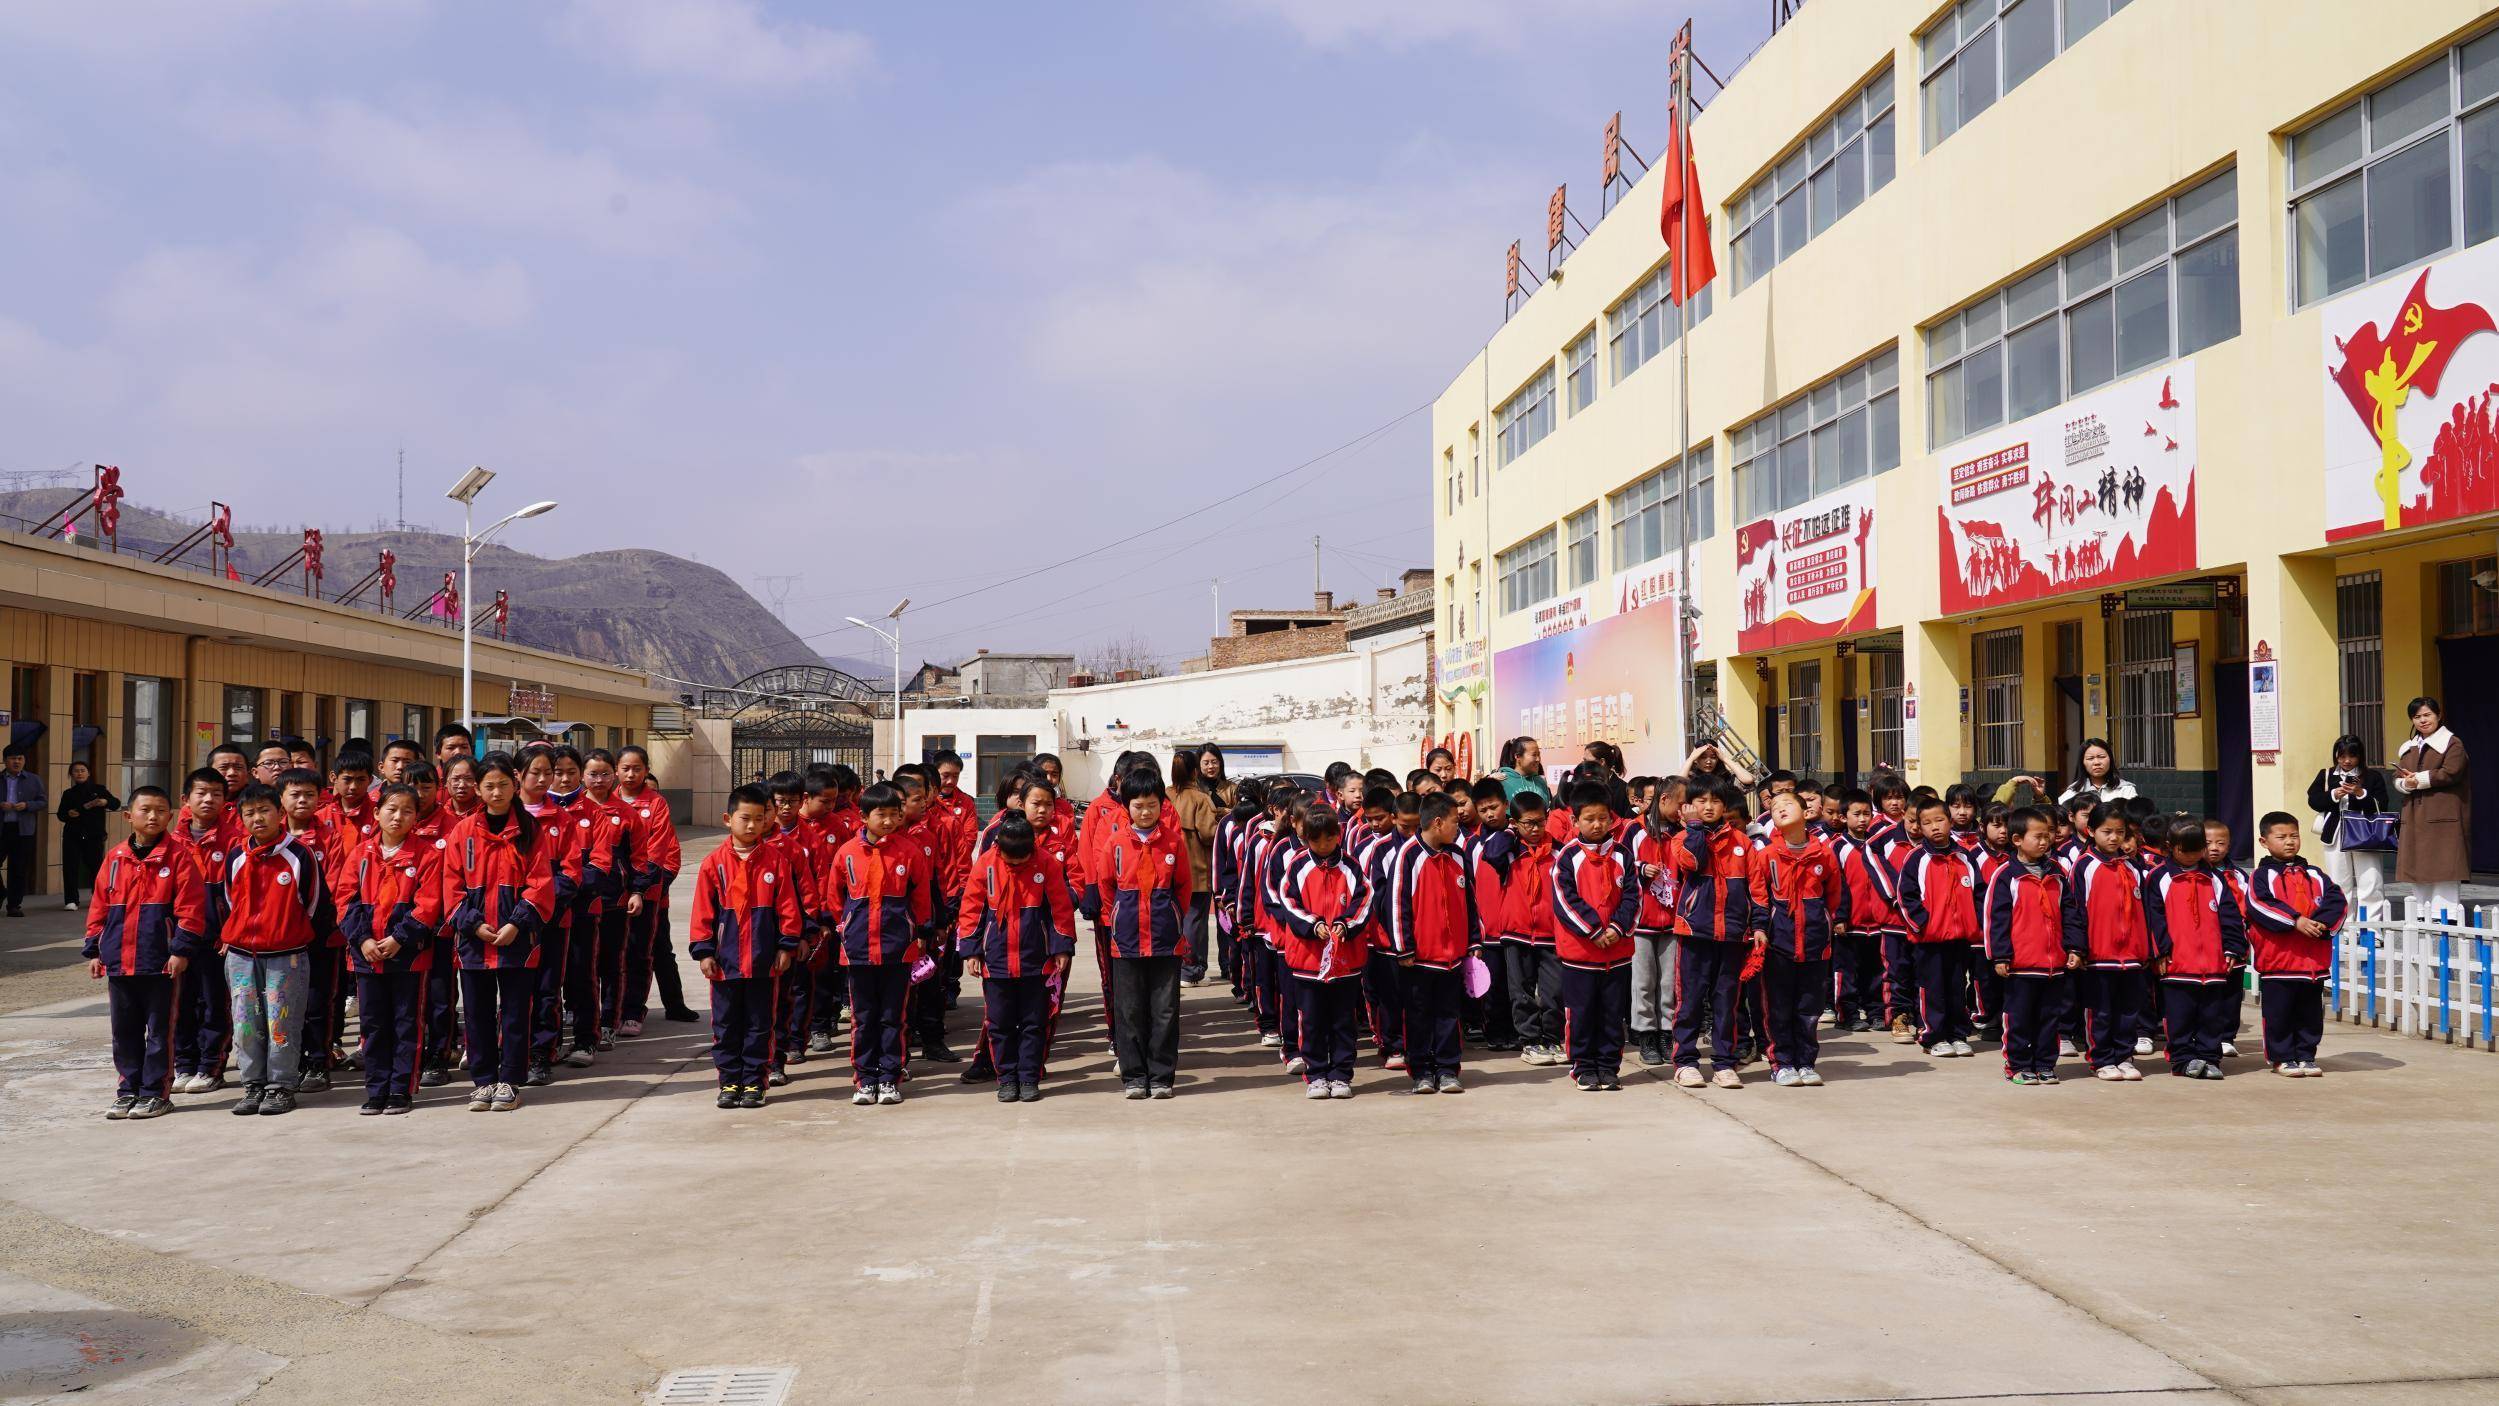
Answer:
[(403, 489), (1316, 585), (778, 587), (1216, 586)]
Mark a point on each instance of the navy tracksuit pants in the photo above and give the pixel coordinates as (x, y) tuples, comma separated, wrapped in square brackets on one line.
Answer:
[(1018, 1010), (878, 996), (1900, 977), (442, 1005), (1857, 976), (2033, 1010), (494, 1005), (1491, 1011), (203, 1018), (2111, 1002), (1596, 1006), (142, 1010), (1384, 1000), (1792, 992), (546, 1002), (2294, 1012), (1986, 990), (324, 1006), (390, 1010), (744, 1015), (1433, 996), (1706, 972), (798, 1010), (1535, 992), (1328, 1020), (1943, 1009), (2199, 1015), (610, 965)]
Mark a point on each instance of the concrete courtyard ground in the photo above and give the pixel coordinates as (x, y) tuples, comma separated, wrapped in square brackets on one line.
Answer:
[(1914, 1231)]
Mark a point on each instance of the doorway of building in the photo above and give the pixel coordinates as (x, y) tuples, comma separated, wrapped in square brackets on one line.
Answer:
[(2233, 781), (2065, 710)]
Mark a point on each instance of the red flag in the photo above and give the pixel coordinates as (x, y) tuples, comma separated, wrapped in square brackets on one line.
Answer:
[(1684, 219)]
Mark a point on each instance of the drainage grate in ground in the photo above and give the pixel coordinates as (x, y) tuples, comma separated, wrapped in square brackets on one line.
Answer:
[(724, 1386)]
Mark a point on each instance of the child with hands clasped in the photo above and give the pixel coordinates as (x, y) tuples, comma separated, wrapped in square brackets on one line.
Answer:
[(1434, 930), (2034, 937), (1326, 909), (2200, 943), (746, 929), (1596, 904), (1800, 903), (390, 900), (147, 921), (1016, 931), (2293, 912)]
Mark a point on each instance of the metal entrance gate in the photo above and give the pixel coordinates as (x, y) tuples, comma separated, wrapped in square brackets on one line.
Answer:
[(788, 719)]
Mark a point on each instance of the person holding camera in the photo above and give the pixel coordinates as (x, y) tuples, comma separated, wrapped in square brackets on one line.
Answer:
[(2347, 789)]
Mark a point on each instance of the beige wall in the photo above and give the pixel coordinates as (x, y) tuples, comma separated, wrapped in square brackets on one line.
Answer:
[(2164, 93)]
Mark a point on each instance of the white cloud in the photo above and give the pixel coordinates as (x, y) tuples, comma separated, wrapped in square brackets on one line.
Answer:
[(727, 42), (488, 170), (1489, 24)]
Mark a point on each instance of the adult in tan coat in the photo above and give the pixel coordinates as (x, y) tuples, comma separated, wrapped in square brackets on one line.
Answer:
[(2433, 851), (1197, 813)]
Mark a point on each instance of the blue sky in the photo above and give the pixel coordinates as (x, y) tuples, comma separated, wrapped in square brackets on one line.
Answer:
[(897, 298)]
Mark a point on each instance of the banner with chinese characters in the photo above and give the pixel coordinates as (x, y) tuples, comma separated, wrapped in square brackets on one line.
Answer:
[(1807, 573), (1618, 680), (1554, 617), (1462, 671), (2095, 493), (1645, 584), (2411, 387)]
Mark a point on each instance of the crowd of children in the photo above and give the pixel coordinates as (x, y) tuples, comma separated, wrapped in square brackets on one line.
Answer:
[(511, 911)]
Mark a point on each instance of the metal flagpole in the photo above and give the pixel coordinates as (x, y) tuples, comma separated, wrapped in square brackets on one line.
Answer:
[(1683, 381)]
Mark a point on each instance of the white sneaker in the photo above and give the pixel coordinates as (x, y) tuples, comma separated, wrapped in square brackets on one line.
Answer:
[(1809, 1077), (1315, 1089), (2311, 1070), (1271, 1039), (864, 1095), (506, 1098), (481, 1098), (2109, 1073), (578, 1057), (2143, 1044), (1297, 1065), (1961, 1048), (2065, 1049), (1727, 1079), (1784, 1078), (70, 904), (1689, 1077), (2290, 1069), (2229, 1050), (1338, 1088), (2127, 1068), (888, 1093)]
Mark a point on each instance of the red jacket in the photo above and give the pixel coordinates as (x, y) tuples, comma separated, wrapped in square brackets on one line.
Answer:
[(1939, 894), (1798, 896), (2279, 894), (1432, 914), (1017, 914), (1716, 866), (2195, 923), (1526, 869), (2030, 925), (1653, 868), (276, 899), (146, 908), (1105, 816), (210, 851), (882, 894), (2107, 896), (492, 877), (603, 838), (657, 856), (1594, 888), (960, 817), (567, 862), (398, 895), (1873, 889), (746, 909), (1145, 889), (1317, 892)]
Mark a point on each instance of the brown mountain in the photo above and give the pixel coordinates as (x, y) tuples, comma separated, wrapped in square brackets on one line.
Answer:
[(644, 609)]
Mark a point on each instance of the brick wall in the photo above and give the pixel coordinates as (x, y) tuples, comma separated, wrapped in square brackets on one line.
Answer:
[(1231, 651)]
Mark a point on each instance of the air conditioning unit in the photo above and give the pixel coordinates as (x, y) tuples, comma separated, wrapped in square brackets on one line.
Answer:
[(668, 720)]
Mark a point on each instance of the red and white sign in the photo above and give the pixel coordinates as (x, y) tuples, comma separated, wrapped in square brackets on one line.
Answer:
[(1807, 573), (1560, 617), (2098, 492), (2412, 398), (1646, 584)]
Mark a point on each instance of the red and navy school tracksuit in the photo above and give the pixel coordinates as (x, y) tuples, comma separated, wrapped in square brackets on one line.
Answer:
[(2197, 929), (796, 998), (1434, 926), (203, 1009), (1145, 889), (1274, 858), (656, 859), (396, 894), (1873, 922), (1527, 939), (1986, 988), (497, 872), (562, 944), (325, 999), (1939, 895), (2290, 967), (1716, 907), (1383, 980), (1594, 888), (2107, 894), (746, 914), (1893, 844), (2032, 927), (884, 894), (606, 844), (1800, 896), (1016, 916), (1326, 972), (149, 905)]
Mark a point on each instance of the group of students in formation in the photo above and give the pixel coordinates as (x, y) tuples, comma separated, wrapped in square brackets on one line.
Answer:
[(521, 900)]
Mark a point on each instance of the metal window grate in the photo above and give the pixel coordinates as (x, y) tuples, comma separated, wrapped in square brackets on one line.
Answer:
[(724, 1386), (2147, 691), (1884, 675), (1998, 659), (1804, 718), (2359, 625)]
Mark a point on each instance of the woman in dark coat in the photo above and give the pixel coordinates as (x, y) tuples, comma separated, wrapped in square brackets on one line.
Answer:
[(82, 811), (2350, 787), (2434, 849)]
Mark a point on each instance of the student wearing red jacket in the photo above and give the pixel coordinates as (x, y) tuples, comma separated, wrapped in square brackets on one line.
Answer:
[(277, 913), (325, 1001), (1145, 885), (1260, 965), (833, 819), (1874, 917), (1326, 908), (802, 844), (147, 922), (1433, 927), (883, 895), (499, 883), (2293, 913), (206, 830), (606, 844), (1715, 915), (1939, 895), (1892, 838), (558, 951), (1800, 904), (1383, 982), (1527, 930), (2107, 894), (745, 931), (1596, 903), (1650, 846), (2034, 938), (2199, 941), (930, 835), (649, 953), (1016, 931), (389, 894)]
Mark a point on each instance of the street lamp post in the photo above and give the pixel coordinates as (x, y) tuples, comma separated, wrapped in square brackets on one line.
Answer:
[(465, 494), (894, 638)]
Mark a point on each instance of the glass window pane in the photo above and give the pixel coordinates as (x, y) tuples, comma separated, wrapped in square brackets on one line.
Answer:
[(1942, 105), (2091, 344), (1982, 388), (2407, 105), (1794, 472), (1978, 76), (1853, 388), (2325, 148), (2141, 240), (2143, 320), (1883, 373), (2208, 207), (2481, 176), (1879, 92), (1824, 402), (2030, 371), (1975, 13), (2208, 293), (2478, 69), (1791, 173), (1852, 169), (1792, 421), (2087, 268), (2082, 17), (1943, 406), (2033, 297), (1939, 41), (1825, 190), (2408, 209), (1981, 322), (1943, 340), (1827, 458), (2029, 40), (1879, 155), (1791, 223), (1851, 445), (1850, 121), (1885, 431), (2331, 255), (1820, 143)]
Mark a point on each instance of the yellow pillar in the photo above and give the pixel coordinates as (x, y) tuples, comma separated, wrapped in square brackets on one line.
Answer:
[(2290, 609), (1741, 693), (1936, 668)]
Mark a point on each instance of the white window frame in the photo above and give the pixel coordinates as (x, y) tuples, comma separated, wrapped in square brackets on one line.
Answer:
[(1580, 547), (1641, 326), (1944, 45), (1802, 420), (1522, 422), (1579, 381), (1529, 572), (1846, 135)]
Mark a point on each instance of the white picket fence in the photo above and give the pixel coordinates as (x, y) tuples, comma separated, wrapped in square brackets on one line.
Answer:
[(2398, 967)]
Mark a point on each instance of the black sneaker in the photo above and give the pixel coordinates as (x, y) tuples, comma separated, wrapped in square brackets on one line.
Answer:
[(683, 1015), (313, 1081), (1652, 1051), (1135, 1090), (434, 1077), (940, 1053), (751, 1097), (153, 1106), (121, 1107), (372, 1107), (1588, 1083), (277, 1101), (778, 1078), (1028, 1093), (728, 1097), (981, 1071), (1008, 1090), (399, 1103), (249, 1103), (541, 1074), (820, 1043)]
